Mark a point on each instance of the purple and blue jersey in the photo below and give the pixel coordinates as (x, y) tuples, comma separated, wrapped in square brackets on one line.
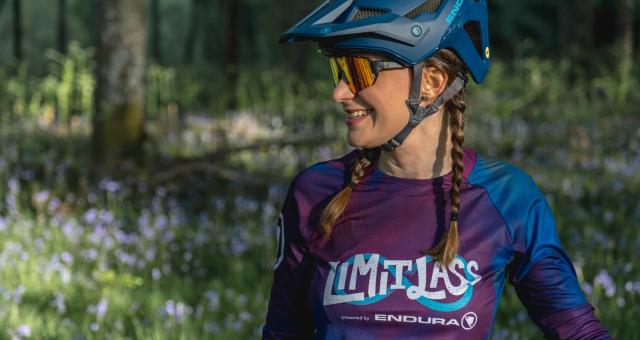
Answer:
[(370, 280)]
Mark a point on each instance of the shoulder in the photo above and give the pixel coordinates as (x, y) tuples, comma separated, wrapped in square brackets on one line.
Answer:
[(512, 191), (310, 191), (500, 178), (322, 176)]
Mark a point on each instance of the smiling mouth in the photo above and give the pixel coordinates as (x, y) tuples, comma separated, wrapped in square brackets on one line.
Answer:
[(356, 114)]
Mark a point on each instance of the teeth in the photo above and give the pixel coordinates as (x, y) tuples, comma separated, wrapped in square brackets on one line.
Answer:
[(358, 113)]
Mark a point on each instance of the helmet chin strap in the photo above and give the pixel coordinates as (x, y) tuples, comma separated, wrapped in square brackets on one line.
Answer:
[(418, 113)]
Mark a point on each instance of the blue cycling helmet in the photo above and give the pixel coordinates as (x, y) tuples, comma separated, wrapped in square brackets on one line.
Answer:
[(407, 31)]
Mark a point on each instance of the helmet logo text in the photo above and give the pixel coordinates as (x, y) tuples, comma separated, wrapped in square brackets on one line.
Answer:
[(454, 11)]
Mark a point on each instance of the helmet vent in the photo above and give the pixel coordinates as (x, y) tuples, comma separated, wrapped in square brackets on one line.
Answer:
[(364, 13), (473, 30), (429, 6)]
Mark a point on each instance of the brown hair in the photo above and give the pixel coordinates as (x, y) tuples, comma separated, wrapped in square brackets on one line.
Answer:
[(335, 208), (446, 249)]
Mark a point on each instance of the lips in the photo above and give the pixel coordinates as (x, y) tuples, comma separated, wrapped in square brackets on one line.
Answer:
[(356, 116)]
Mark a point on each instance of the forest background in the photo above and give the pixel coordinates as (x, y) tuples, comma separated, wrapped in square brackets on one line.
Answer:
[(146, 148)]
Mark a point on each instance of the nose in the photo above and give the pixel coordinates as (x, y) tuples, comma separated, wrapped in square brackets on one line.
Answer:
[(342, 92)]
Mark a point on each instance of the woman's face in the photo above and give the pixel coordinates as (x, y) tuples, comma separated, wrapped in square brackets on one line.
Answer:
[(383, 106)]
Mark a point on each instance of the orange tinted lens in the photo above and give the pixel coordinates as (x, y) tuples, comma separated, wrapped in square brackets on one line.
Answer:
[(362, 73), (345, 67), (357, 72)]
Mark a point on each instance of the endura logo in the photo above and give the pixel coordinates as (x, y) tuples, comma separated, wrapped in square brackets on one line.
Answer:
[(379, 277), (467, 322), (454, 11)]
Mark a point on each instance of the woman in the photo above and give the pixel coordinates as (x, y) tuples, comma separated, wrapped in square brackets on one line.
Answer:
[(413, 236)]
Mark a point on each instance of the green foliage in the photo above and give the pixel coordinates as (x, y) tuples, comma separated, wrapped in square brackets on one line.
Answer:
[(66, 91)]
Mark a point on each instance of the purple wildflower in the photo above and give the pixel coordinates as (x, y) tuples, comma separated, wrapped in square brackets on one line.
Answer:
[(17, 294), (3, 224), (41, 197), (101, 308), (109, 185), (58, 303), (66, 257), (213, 300), (90, 255), (603, 279), (156, 274), (23, 331), (211, 327), (54, 205)]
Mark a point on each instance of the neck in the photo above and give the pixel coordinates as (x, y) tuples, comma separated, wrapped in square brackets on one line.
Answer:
[(425, 154)]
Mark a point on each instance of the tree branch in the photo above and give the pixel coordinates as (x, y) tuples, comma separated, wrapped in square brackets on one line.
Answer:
[(187, 166), (316, 139)]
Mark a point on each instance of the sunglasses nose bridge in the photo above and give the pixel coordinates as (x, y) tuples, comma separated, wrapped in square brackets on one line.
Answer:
[(343, 92), (342, 76)]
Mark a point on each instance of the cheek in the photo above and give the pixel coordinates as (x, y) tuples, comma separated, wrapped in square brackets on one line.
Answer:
[(389, 101)]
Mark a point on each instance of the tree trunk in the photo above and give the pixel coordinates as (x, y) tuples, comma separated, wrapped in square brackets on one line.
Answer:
[(96, 20), (1, 5), (231, 51), (563, 27), (194, 27), (119, 116), (626, 10), (155, 31), (212, 21), (17, 30), (582, 46), (301, 55), (62, 26)]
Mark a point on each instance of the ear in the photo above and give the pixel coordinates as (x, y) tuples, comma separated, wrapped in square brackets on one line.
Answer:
[(434, 82)]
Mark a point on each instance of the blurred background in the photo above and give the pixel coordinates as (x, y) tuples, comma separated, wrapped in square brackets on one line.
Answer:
[(146, 147)]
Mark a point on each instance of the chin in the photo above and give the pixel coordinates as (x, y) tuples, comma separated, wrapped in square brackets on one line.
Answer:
[(357, 139), (354, 144), (361, 144)]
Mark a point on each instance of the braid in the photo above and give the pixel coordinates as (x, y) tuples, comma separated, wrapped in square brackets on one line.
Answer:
[(446, 249), (336, 207)]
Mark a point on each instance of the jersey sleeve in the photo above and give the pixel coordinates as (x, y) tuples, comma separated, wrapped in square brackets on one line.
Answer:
[(545, 280), (289, 314)]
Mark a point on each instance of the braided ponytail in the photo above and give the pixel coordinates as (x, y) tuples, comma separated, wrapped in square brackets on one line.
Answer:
[(447, 247), (335, 208)]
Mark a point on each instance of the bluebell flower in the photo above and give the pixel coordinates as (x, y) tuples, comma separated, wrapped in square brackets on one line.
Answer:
[(603, 279)]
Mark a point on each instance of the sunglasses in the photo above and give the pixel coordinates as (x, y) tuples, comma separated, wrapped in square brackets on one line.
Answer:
[(359, 72)]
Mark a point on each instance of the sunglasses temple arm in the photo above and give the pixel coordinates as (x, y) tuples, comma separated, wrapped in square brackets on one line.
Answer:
[(384, 65)]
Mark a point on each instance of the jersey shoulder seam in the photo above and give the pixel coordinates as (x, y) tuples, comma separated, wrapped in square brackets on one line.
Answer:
[(508, 169)]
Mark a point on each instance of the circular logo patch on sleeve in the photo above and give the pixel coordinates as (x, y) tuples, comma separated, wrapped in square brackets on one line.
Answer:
[(280, 242)]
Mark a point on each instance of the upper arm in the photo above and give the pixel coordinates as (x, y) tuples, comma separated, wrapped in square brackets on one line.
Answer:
[(288, 314), (540, 269), (546, 283)]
